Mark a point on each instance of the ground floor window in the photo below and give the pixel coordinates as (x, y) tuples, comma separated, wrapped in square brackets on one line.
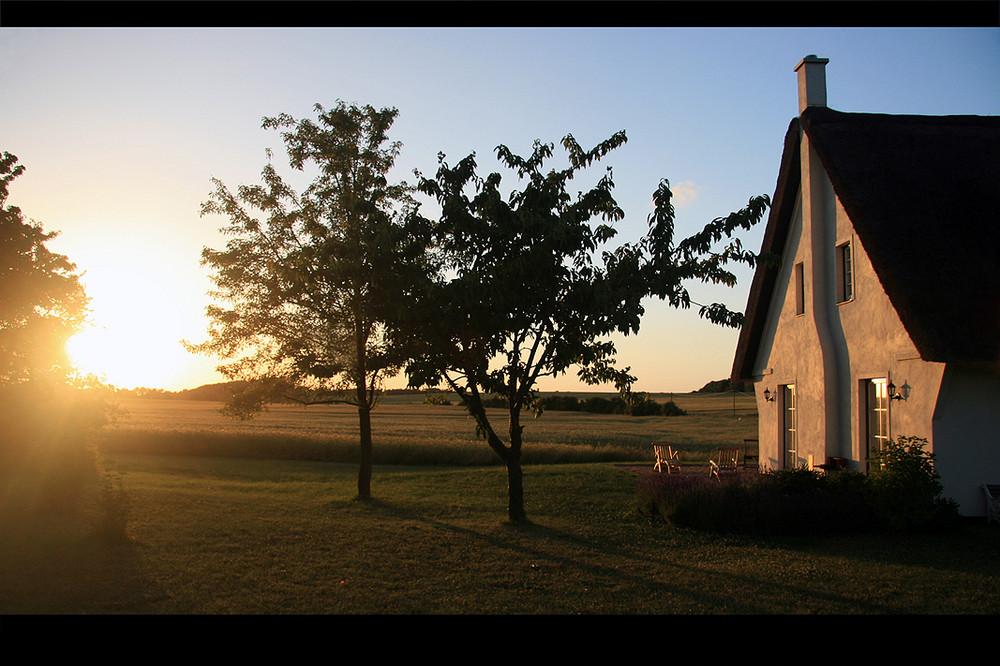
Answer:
[(876, 417), (789, 427)]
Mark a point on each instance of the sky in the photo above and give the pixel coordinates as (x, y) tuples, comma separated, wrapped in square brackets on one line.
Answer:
[(122, 129)]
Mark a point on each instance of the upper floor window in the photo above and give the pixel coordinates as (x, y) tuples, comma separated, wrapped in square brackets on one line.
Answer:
[(845, 273), (800, 289)]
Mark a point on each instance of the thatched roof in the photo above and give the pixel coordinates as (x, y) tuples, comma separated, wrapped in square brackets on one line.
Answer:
[(923, 194)]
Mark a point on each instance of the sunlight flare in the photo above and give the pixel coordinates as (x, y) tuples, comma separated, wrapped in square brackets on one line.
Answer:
[(127, 356)]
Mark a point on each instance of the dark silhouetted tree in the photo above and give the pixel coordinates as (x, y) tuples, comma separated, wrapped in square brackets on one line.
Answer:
[(308, 278), (526, 290), (42, 302), (47, 410)]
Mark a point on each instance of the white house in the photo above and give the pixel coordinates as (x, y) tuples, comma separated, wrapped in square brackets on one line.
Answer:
[(882, 317)]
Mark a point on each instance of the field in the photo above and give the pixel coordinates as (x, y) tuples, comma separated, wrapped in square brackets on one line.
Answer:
[(231, 535), (408, 431)]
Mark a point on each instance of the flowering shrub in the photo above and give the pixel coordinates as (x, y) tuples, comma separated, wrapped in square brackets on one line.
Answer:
[(902, 495)]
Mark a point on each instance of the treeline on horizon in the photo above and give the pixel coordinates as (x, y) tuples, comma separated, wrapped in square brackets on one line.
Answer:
[(640, 405), (222, 391)]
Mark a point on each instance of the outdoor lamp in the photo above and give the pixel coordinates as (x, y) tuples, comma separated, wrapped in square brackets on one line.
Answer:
[(767, 396), (904, 393)]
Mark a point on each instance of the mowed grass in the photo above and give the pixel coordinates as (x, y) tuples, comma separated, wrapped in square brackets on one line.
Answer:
[(221, 534), (231, 536)]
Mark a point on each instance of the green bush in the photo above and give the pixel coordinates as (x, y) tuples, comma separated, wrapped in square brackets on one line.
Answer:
[(495, 401), (598, 405), (798, 480), (640, 405), (559, 403), (670, 408), (436, 397), (905, 489)]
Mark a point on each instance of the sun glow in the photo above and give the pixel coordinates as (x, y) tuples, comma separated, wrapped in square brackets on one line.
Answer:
[(127, 357), (140, 312)]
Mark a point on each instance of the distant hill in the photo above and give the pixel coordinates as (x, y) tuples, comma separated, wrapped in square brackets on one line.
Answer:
[(725, 386), (208, 392)]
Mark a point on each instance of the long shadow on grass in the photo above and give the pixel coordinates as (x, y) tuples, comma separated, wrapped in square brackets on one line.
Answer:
[(45, 569), (971, 549), (705, 590)]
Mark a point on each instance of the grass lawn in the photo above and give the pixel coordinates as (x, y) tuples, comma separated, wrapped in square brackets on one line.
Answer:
[(225, 535)]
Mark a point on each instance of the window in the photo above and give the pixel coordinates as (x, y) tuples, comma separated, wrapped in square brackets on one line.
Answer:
[(800, 289), (876, 416), (845, 273), (789, 427)]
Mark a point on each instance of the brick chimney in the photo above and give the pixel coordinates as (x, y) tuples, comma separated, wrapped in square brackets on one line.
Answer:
[(812, 81)]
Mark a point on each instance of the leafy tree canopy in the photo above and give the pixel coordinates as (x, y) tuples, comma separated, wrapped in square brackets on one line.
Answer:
[(42, 302), (527, 288), (45, 416), (308, 280)]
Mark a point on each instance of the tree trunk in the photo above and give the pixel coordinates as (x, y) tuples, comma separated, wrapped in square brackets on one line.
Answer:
[(515, 477), (364, 410), (515, 491), (365, 471), (511, 455)]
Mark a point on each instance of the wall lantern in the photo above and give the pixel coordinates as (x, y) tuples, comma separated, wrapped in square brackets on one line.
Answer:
[(767, 396), (903, 394)]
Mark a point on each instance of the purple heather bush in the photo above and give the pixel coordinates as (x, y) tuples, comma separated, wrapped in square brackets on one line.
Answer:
[(901, 496)]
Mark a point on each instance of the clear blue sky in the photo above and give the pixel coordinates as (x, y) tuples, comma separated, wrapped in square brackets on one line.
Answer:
[(122, 129)]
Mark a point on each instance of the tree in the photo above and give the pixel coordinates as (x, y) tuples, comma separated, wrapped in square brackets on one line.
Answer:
[(309, 286), (523, 293), (45, 418), (42, 302)]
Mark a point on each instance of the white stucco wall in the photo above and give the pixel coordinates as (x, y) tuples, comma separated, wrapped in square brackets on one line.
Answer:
[(790, 355), (956, 408), (832, 349), (966, 435), (880, 347), (805, 349)]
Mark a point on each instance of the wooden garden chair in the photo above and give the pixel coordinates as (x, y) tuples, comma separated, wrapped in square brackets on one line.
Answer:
[(992, 502), (667, 458), (751, 452), (729, 460)]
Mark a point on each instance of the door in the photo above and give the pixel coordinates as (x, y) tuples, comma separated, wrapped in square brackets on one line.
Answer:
[(876, 417), (789, 427)]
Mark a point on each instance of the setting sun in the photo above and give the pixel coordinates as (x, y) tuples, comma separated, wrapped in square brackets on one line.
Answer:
[(139, 320), (127, 356), (123, 177)]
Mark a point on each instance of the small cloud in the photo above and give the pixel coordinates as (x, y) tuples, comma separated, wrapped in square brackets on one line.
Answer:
[(684, 193)]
